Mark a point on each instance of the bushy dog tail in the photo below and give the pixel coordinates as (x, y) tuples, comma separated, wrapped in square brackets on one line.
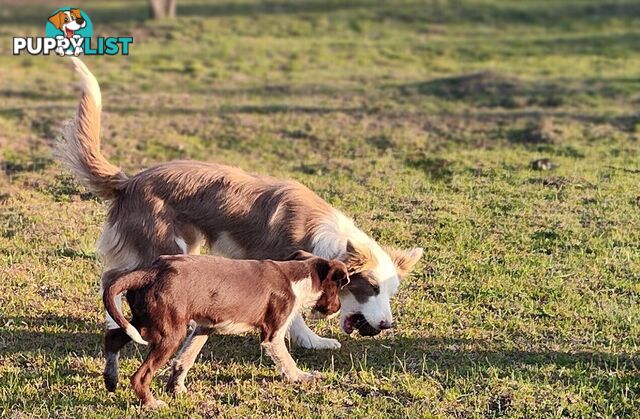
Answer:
[(116, 283), (79, 146)]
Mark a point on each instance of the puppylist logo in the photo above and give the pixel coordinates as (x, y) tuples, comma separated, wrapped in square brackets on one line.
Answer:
[(69, 31)]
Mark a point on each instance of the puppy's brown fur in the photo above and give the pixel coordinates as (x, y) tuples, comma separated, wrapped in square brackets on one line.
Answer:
[(231, 296)]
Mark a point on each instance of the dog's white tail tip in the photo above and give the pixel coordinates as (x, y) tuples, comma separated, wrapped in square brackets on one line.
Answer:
[(134, 335), (89, 82)]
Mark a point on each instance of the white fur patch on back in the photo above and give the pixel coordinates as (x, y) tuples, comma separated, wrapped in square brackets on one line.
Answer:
[(226, 246)]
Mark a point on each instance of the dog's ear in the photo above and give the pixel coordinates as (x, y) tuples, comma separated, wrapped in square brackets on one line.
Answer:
[(405, 260), (57, 19), (76, 13), (359, 258), (300, 255)]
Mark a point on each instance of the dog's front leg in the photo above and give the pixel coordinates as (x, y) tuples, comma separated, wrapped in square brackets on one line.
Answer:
[(305, 337), (277, 351)]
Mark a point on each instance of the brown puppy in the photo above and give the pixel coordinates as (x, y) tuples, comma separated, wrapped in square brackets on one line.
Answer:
[(231, 296)]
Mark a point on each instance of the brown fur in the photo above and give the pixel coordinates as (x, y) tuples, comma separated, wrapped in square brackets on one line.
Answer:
[(79, 149), (237, 214), (213, 291)]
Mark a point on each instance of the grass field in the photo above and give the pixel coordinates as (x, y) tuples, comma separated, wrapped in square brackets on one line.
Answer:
[(418, 118)]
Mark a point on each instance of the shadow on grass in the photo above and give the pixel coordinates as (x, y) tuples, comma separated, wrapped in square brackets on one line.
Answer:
[(494, 89), (416, 356), (53, 334), (247, 109)]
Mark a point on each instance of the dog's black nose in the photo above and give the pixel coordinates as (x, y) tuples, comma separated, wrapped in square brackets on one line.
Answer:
[(386, 325), (80, 20)]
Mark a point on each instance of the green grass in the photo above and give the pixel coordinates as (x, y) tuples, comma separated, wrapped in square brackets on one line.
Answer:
[(420, 120)]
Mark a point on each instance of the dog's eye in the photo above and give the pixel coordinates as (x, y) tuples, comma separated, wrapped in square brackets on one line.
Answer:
[(66, 19)]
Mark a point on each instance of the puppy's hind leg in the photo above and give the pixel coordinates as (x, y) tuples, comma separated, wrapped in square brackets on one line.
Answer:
[(159, 354), (185, 360)]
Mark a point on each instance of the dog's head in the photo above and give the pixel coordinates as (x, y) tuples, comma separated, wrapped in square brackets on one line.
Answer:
[(68, 21), (330, 276), (375, 277)]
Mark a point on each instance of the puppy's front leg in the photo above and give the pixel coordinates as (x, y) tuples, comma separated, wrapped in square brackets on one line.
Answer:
[(277, 351)]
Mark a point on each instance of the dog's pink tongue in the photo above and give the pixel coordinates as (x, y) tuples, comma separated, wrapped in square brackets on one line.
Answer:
[(69, 33), (348, 326)]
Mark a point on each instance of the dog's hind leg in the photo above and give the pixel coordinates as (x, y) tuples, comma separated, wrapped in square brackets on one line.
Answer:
[(114, 340), (186, 358)]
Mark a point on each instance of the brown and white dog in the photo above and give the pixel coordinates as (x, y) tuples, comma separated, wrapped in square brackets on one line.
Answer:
[(178, 206), (227, 295)]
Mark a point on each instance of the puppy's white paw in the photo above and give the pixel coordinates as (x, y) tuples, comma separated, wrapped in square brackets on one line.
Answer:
[(317, 342)]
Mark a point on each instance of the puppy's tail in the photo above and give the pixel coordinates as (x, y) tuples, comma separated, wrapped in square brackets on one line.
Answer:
[(116, 283), (79, 146)]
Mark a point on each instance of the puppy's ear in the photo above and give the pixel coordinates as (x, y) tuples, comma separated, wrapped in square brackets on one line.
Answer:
[(76, 13), (57, 20), (332, 275), (300, 255), (405, 260), (338, 273)]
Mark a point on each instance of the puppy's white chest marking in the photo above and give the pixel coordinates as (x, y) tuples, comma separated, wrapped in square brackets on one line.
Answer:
[(305, 295)]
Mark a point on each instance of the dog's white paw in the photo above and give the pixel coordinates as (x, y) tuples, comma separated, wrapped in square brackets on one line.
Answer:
[(317, 342), (156, 404), (178, 389), (305, 377)]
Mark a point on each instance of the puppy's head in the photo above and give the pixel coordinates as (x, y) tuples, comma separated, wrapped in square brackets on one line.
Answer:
[(330, 276), (336, 277)]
